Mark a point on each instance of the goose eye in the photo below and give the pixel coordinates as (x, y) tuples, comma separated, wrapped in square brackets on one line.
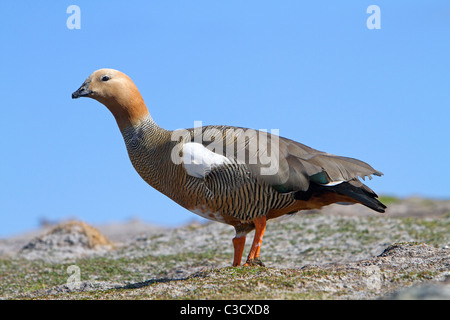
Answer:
[(105, 78)]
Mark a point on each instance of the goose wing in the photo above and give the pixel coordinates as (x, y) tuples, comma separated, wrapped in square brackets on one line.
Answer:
[(284, 164)]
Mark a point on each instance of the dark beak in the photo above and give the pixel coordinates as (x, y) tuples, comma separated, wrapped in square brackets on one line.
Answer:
[(83, 91)]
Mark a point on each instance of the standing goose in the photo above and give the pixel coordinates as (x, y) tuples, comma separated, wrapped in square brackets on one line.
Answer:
[(236, 176)]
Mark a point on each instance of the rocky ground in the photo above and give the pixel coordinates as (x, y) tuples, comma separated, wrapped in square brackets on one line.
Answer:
[(340, 252)]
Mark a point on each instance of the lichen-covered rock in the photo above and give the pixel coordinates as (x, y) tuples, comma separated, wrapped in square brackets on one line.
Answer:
[(73, 239)]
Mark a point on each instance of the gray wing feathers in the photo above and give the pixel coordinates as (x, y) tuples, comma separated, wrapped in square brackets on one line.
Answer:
[(296, 165), (307, 164), (299, 164), (343, 169)]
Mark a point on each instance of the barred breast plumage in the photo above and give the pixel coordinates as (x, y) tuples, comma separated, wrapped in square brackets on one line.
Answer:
[(237, 176)]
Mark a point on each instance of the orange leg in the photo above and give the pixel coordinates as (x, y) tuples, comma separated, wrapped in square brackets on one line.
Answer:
[(253, 256), (238, 243)]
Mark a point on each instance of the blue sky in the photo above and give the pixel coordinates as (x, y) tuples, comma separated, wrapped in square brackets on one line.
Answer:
[(312, 69)]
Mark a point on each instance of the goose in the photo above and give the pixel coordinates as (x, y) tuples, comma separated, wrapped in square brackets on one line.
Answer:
[(233, 175)]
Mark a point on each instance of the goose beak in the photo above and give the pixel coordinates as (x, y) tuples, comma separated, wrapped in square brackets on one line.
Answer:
[(83, 91)]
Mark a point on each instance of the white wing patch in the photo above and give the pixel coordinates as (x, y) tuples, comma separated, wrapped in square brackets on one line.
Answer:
[(199, 160), (332, 183)]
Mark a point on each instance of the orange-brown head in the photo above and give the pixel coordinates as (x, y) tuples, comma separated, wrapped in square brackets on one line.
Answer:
[(118, 93)]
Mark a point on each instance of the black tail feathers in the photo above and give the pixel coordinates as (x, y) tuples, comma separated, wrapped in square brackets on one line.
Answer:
[(365, 197), (360, 193)]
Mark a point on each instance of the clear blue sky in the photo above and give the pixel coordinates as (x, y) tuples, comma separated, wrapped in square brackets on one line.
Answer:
[(312, 69)]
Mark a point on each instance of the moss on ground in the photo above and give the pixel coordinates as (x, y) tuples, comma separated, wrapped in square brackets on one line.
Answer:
[(147, 276)]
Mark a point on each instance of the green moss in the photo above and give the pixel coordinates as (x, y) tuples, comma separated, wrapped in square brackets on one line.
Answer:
[(25, 276), (432, 231)]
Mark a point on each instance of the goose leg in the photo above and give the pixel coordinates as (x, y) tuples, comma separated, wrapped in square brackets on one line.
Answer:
[(238, 244), (253, 256)]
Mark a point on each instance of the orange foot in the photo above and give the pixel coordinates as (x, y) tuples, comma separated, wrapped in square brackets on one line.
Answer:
[(256, 262)]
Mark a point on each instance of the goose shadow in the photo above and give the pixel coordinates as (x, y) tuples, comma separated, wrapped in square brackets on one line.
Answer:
[(149, 282)]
